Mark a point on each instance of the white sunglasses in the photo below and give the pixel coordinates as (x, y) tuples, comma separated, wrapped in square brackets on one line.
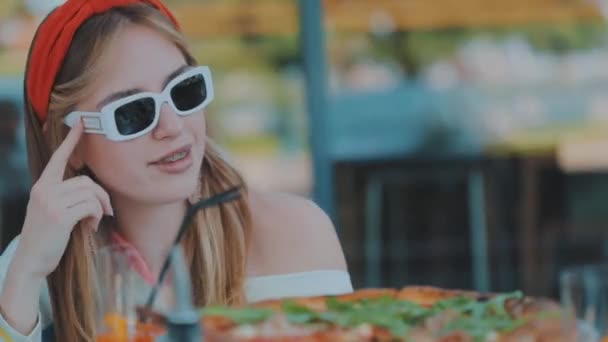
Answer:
[(135, 115)]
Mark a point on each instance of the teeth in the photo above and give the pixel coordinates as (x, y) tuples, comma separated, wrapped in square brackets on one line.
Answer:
[(174, 157)]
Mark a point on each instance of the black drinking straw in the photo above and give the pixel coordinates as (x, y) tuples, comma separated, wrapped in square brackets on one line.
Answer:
[(226, 196)]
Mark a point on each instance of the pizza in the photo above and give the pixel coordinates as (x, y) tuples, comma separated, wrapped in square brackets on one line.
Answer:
[(425, 314)]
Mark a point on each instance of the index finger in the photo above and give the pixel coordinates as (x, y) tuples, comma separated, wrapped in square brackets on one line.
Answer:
[(56, 167)]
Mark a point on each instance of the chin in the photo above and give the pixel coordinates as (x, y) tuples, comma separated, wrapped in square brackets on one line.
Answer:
[(166, 197), (172, 191)]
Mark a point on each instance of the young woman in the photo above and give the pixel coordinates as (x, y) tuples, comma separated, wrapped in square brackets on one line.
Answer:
[(117, 150)]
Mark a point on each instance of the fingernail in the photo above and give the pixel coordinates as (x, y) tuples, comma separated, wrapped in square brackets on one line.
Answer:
[(111, 212)]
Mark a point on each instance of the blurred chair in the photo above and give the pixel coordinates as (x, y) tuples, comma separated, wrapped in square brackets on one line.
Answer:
[(414, 171), (396, 127), (581, 238)]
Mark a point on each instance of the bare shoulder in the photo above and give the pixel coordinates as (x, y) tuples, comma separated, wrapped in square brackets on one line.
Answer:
[(291, 234)]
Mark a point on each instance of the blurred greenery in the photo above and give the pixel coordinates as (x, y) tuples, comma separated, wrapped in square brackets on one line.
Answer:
[(411, 49), (7, 7), (416, 49), (567, 37), (263, 53), (253, 145), (8, 65)]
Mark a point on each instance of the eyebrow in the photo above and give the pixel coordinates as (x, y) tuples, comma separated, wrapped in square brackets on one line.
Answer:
[(128, 92)]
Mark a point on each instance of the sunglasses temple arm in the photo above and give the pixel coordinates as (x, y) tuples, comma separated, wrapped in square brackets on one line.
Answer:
[(91, 121)]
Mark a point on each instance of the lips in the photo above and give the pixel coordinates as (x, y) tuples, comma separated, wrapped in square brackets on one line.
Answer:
[(175, 162), (173, 155)]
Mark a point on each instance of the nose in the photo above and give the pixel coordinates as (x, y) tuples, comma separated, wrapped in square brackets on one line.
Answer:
[(169, 123)]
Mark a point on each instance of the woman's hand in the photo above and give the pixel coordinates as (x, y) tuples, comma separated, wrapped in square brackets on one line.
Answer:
[(54, 209)]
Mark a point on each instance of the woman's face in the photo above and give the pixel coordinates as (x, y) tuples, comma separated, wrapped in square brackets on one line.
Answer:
[(139, 60)]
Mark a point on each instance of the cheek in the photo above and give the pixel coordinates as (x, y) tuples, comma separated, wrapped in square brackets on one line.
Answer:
[(197, 125), (104, 158)]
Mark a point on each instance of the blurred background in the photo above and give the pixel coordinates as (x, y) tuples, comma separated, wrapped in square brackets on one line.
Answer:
[(458, 143)]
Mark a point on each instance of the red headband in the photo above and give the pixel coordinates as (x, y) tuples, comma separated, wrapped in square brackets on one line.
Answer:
[(54, 38)]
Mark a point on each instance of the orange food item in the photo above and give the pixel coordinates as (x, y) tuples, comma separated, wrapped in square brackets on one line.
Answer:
[(117, 330), (147, 332), (109, 338), (144, 338)]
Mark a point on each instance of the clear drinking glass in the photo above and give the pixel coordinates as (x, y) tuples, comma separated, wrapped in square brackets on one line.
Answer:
[(119, 291), (584, 297)]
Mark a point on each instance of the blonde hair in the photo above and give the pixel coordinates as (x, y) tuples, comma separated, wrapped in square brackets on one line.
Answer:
[(215, 248)]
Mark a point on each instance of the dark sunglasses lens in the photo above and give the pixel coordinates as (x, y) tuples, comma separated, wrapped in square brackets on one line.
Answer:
[(135, 116), (189, 93)]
